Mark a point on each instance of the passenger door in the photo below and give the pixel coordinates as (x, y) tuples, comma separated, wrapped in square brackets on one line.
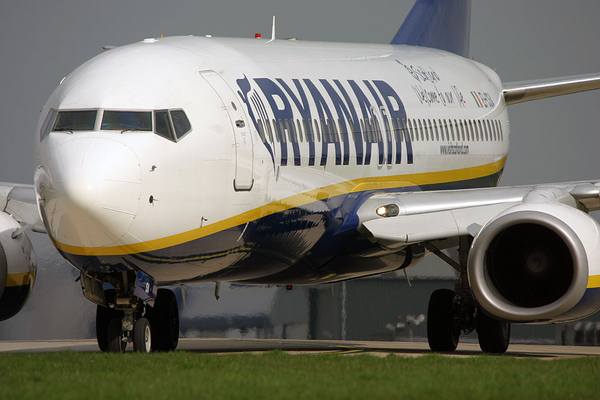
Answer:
[(244, 152)]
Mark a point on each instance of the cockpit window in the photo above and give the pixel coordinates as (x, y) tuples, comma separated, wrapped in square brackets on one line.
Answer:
[(75, 121), (180, 122), (48, 123), (162, 125), (127, 121), (171, 124)]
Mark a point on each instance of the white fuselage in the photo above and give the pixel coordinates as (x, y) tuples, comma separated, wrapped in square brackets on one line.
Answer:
[(285, 138)]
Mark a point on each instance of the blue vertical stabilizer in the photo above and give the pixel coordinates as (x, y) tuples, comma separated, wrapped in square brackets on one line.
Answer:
[(441, 24)]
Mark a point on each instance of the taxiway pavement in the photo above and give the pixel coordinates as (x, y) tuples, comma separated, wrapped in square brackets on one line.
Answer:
[(216, 346)]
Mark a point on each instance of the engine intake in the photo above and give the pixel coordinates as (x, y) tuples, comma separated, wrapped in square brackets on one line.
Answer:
[(531, 263), (17, 267)]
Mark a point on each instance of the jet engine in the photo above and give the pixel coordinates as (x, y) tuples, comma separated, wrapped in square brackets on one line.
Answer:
[(17, 267), (537, 262)]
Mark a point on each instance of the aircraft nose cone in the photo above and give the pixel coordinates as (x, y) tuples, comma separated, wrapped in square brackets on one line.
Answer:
[(91, 192)]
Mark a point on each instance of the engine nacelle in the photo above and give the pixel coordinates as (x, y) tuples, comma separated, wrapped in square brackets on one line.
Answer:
[(537, 262), (17, 267)]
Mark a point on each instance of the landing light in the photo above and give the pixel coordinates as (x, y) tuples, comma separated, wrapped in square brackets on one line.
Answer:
[(390, 210)]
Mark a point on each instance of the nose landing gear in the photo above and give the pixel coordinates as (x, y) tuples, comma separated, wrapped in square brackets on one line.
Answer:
[(148, 328)]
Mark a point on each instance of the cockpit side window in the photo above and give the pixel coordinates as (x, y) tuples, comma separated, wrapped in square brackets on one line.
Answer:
[(180, 122), (162, 124), (171, 124), (48, 123), (127, 121), (75, 121)]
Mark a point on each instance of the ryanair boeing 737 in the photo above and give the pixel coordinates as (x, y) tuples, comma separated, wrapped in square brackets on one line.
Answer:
[(201, 159)]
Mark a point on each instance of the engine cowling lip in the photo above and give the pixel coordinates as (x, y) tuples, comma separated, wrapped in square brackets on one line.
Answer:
[(492, 301), (3, 270)]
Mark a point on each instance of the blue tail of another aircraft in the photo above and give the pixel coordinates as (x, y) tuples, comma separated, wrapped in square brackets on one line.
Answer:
[(441, 24)]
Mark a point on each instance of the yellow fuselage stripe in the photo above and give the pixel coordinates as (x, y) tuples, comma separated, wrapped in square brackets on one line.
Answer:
[(21, 279), (593, 281), (352, 186)]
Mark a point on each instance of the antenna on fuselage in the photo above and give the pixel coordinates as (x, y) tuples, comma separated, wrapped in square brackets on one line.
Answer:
[(272, 31)]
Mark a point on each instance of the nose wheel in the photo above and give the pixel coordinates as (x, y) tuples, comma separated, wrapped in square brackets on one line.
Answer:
[(142, 336), (164, 317), (156, 328)]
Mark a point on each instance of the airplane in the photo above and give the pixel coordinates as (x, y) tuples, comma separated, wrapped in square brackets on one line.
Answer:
[(281, 162)]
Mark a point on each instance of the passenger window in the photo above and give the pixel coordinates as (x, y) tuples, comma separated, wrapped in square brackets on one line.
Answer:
[(402, 128), (282, 131), (386, 121), (471, 130), (261, 130), (457, 130), (363, 129), (162, 125), (500, 130), (431, 134), (395, 129), (317, 130), (299, 129), (75, 121), (377, 131), (369, 131), (490, 128), (291, 132), (497, 125), (276, 131), (269, 131), (324, 132), (485, 130)]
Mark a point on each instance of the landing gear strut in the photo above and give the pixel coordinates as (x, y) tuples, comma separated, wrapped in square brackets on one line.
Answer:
[(149, 328), (452, 312)]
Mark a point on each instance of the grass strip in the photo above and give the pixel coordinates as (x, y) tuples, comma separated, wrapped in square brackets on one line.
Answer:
[(277, 375)]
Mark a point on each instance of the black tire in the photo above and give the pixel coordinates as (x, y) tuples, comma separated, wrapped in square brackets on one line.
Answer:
[(494, 335), (442, 331), (164, 319), (103, 317), (115, 343), (142, 336)]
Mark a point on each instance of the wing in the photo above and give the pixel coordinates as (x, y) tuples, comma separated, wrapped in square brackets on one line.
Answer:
[(518, 92), (427, 216), (19, 201), (531, 253)]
